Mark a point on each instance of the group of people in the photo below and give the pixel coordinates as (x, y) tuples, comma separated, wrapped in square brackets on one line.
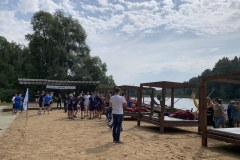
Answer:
[(89, 105), (217, 115)]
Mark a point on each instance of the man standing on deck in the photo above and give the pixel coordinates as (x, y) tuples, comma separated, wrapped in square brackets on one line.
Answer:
[(117, 102)]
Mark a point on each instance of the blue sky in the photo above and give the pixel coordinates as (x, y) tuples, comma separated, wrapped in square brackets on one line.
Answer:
[(140, 40)]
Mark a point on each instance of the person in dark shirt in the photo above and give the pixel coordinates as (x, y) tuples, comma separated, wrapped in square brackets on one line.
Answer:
[(70, 102), (75, 109), (99, 103), (82, 105), (40, 102), (91, 105), (59, 101), (65, 99)]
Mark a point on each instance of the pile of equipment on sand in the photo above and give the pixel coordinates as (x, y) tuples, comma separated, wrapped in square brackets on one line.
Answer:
[(187, 115)]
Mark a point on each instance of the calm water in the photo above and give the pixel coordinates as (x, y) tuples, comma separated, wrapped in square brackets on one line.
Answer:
[(184, 103)]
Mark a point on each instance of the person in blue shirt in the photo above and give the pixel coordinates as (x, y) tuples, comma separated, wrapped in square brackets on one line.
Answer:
[(47, 100), (40, 101), (91, 105), (70, 102), (17, 103)]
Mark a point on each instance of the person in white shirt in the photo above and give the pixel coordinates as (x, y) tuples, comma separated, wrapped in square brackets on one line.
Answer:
[(117, 102), (13, 102), (86, 97)]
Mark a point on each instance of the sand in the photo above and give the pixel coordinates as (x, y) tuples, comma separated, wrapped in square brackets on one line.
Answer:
[(53, 136)]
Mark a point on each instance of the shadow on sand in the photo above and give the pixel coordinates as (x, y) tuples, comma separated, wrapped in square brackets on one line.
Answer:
[(167, 130), (100, 149), (221, 149)]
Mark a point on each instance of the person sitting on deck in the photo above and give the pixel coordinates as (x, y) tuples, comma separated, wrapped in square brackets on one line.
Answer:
[(129, 101)]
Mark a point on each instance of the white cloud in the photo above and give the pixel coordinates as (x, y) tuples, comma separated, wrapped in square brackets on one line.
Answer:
[(103, 2), (214, 49), (147, 5), (49, 6), (26, 6), (118, 7), (12, 28), (4, 2)]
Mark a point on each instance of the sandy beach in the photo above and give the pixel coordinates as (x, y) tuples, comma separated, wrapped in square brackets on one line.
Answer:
[(53, 136)]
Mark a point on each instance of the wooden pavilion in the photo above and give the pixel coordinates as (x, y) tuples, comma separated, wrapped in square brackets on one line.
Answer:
[(165, 121), (229, 135)]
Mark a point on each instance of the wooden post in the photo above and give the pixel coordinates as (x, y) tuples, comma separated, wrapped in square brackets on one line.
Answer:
[(125, 91), (152, 102), (199, 110), (203, 113), (172, 100), (139, 102), (161, 119)]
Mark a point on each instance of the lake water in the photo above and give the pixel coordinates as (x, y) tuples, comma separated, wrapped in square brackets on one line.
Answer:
[(184, 103)]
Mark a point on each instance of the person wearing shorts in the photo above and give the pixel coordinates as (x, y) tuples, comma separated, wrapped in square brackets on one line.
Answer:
[(70, 107), (86, 97), (17, 103), (65, 103), (82, 105), (13, 102), (40, 102), (51, 101), (59, 101), (95, 105), (75, 109), (99, 105), (91, 104), (37, 98), (47, 100)]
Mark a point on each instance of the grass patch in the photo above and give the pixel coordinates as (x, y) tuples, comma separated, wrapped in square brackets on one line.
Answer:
[(5, 104)]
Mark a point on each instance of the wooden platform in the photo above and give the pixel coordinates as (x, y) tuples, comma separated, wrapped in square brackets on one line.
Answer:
[(227, 132), (169, 121), (229, 135)]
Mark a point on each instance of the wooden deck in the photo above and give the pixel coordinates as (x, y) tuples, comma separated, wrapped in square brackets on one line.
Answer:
[(229, 135), (169, 121)]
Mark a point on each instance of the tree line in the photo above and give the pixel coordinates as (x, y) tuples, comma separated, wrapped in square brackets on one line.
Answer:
[(222, 90), (56, 50)]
